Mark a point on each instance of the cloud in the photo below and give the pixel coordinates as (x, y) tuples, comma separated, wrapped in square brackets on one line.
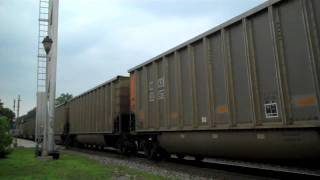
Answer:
[(100, 39), (110, 43), (18, 36)]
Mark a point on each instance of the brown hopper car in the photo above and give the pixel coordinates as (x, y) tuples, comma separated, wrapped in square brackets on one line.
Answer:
[(248, 88)]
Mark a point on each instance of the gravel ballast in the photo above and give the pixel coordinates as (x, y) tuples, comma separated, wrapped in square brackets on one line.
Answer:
[(163, 168)]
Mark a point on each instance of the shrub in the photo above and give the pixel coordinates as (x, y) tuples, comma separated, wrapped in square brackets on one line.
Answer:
[(5, 137)]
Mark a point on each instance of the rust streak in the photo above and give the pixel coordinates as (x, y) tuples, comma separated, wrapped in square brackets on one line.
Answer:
[(305, 101), (222, 109)]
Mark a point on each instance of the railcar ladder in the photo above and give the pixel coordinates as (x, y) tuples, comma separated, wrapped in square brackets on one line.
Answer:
[(43, 25)]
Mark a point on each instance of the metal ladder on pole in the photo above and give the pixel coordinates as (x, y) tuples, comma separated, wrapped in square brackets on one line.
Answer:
[(42, 57), (42, 70)]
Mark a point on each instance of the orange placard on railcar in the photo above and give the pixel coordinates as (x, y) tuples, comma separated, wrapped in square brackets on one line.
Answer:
[(132, 92)]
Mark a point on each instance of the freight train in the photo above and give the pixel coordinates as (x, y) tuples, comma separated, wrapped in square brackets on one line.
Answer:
[(248, 88), (25, 125)]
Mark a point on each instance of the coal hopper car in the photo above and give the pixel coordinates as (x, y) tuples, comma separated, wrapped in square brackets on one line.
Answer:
[(25, 125), (248, 88), (98, 117)]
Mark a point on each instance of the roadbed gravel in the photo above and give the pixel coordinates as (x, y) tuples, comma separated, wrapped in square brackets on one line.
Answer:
[(163, 168)]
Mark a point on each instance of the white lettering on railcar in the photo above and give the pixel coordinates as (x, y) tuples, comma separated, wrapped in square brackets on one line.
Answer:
[(204, 119), (161, 89), (271, 109), (161, 83), (151, 91), (151, 86), (151, 96)]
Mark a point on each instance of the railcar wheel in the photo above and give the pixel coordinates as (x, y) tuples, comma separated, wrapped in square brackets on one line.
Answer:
[(199, 158), (120, 149), (126, 147), (180, 156), (163, 154), (152, 151), (147, 149), (75, 144)]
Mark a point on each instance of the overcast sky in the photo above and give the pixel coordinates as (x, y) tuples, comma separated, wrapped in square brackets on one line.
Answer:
[(99, 39)]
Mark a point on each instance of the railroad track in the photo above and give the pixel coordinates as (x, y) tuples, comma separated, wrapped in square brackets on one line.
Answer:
[(260, 169), (289, 170), (263, 170)]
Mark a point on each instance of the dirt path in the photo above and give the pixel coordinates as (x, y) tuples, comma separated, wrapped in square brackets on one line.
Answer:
[(25, 143)]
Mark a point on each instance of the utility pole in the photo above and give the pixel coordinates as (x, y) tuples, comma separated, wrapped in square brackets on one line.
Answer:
[(15, 143), (14, 110), (18, 106), (14, 105)]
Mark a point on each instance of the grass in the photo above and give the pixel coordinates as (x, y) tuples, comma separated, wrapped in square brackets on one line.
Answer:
[(21, 164)]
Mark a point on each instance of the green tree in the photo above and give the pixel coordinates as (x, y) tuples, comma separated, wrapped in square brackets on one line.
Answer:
[(5, 137), (63, 98), (7, 113), (1, 105), (6, 117)]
